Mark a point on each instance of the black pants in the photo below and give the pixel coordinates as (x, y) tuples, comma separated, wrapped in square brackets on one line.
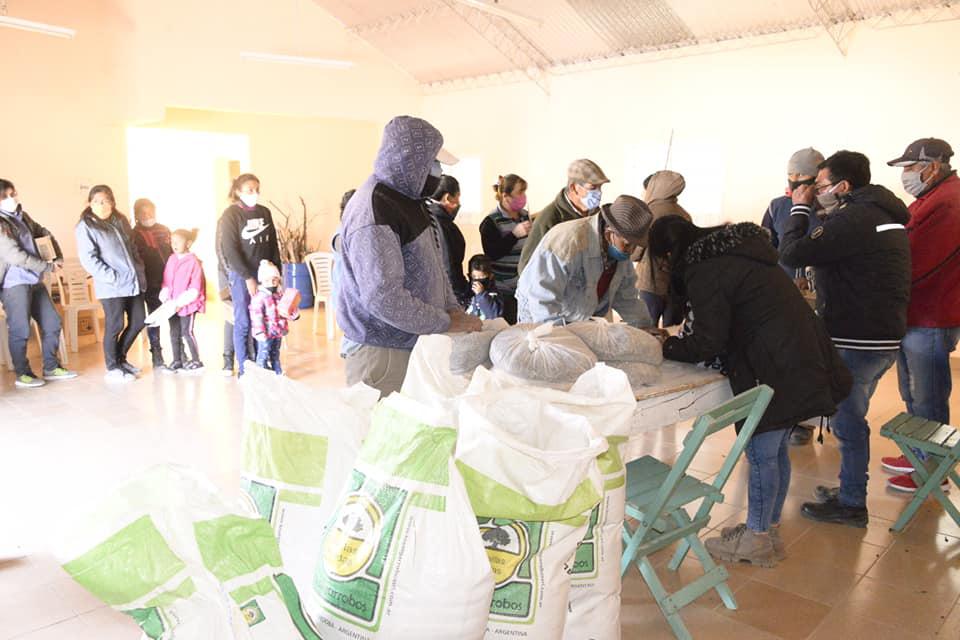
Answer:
[(185, 334), (123, 323), (22, 302), (152, 298), (509, 301)]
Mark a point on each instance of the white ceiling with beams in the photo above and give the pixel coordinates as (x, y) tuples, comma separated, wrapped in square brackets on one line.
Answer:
[(440, 42)]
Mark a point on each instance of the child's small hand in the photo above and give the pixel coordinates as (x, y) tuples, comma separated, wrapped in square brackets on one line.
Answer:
[(477, 287)]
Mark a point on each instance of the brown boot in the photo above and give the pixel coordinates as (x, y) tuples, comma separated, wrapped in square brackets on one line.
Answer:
[(740, 544)]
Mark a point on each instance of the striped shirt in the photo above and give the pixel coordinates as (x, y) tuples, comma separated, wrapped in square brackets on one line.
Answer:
[(502, 247)]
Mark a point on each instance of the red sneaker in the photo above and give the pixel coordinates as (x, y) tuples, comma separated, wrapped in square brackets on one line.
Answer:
[(906, 484), (897, 465)]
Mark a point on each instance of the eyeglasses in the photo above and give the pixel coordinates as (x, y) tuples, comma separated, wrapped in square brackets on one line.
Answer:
[(824, 186)]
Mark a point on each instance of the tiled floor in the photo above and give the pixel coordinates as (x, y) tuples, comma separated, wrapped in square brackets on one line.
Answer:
[(61, 445)]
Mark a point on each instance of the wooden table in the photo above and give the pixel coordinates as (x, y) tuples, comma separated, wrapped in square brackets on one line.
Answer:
[(684, 392)]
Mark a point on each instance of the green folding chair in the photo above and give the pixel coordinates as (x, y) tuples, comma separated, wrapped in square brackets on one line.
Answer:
[(942, 442), (657, 494)]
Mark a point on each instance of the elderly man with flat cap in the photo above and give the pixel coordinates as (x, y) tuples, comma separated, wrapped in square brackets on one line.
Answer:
[(580, 198), (582, 268), (933, 317)]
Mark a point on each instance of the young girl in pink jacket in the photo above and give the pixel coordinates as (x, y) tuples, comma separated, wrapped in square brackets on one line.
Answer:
[(183, 282)]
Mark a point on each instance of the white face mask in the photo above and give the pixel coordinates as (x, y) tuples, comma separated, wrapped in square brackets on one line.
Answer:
[(8, 204), (913, 182), (249, 199)]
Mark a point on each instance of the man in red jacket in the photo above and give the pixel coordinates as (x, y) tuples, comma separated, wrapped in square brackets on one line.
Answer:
[(933, 317)]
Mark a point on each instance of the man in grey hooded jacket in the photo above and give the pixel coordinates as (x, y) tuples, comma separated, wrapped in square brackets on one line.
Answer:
[(392, 283)]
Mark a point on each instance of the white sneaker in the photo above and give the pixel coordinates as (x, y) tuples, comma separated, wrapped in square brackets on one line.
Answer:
[(129, 368), (118, 375)]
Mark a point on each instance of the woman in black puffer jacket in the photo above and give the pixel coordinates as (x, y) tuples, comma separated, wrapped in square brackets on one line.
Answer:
[(747, 310)]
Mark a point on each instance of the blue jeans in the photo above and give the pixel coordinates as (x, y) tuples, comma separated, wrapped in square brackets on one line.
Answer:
[(923, 370), (850, 422), (769, 478), (241, 318), (22, 302), (268, 354)]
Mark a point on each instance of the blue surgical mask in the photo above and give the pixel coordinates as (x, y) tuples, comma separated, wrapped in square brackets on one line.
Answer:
[(592, 199), (616, 254)]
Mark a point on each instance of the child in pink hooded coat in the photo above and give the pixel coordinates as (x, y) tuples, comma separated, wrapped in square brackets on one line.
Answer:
[(184, 284)]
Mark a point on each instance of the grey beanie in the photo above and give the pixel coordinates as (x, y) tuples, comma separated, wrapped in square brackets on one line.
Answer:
[(805, 162)]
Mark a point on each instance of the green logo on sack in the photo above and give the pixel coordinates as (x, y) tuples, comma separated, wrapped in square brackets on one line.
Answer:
[(358, 551), (586, 561), (512, 547), (252, 613)]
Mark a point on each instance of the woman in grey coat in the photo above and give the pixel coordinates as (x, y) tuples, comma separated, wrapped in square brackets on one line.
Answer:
[(108, 253)]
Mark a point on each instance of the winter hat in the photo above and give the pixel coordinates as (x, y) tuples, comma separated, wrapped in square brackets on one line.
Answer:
[(629, 217), (805, 162), (266, 272)]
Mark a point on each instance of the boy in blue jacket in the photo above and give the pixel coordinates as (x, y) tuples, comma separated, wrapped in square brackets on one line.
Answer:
[(485, 303)]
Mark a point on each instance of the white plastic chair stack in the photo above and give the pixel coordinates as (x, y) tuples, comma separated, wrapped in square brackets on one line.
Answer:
[(321, 276), (75, 297)]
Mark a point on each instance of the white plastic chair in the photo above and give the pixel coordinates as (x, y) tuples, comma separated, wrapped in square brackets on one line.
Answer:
[(75, 297), (321, 276)]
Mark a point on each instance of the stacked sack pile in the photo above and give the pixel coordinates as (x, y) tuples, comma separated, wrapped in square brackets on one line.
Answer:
[(459, 508)]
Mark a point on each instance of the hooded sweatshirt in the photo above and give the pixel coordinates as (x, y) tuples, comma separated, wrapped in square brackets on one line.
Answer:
[(661, 197), (392, 283), (862, 260)]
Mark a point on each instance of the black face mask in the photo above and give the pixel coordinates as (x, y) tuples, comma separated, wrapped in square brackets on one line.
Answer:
[(430, 186), (794, 184)]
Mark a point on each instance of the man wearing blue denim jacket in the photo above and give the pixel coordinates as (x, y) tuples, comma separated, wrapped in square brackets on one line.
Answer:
[(582, 268)]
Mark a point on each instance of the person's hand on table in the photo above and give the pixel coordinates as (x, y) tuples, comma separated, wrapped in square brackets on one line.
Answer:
[(461, 322), (660, 334)]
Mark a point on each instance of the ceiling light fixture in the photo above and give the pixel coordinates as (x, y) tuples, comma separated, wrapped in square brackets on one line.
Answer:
[(280, 58), (34, 27), (495, 9)]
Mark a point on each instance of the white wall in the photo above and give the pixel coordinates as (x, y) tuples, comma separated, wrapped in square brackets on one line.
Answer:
[(68, 103), (747, 110)]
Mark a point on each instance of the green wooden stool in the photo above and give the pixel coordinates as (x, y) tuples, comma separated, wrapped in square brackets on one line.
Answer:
[(940, 440), (657, 494)]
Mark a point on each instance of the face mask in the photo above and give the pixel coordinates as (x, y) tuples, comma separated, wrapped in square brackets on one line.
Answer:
[(249, 199), (519, 202), (616, 254), (592, 199), (100, 210), (433, 180), (794, 184), (456, 210), (828, 200), (9, 205), (913, 182)]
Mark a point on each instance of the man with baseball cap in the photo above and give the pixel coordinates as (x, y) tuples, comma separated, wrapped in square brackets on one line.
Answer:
[(581, 197), (933, 317), (582, 268), (801, 169)]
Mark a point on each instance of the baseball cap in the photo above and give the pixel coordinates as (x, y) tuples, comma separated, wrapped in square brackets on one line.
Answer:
[(924, 150)]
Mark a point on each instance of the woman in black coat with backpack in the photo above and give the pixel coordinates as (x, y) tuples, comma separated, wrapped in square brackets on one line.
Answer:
[(746, 310)]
